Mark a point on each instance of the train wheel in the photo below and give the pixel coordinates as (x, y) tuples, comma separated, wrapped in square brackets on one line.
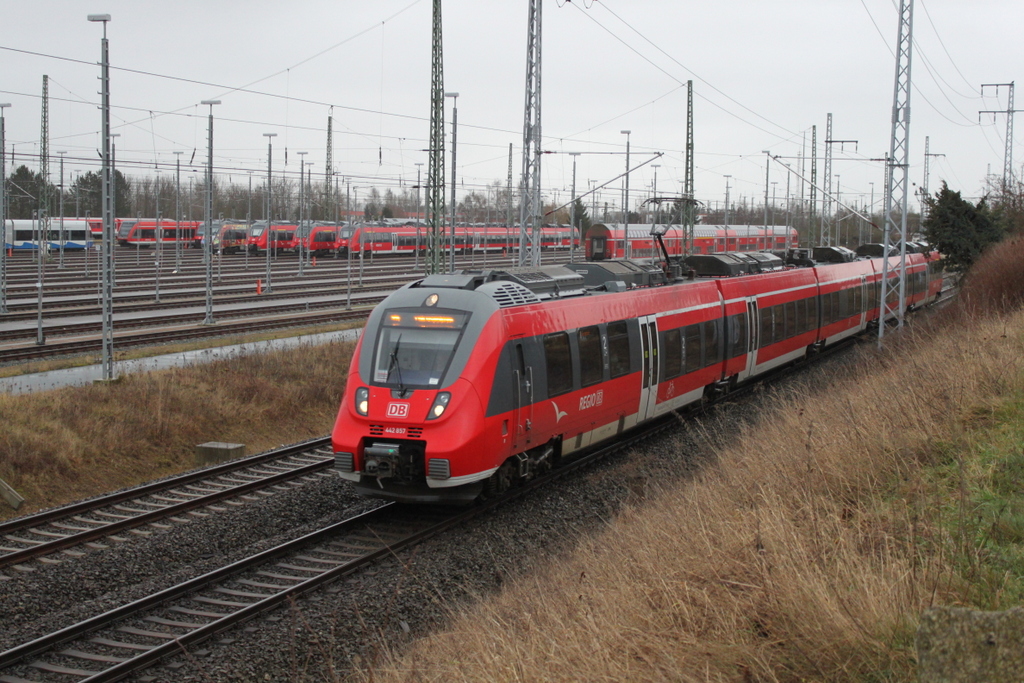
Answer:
[(500, 481)]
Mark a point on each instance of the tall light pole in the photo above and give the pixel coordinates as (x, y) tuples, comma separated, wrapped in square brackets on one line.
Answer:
[(419, 205), (302, 205), (208, 217), (60, 263), (625, 193), (572, 212), (726, 218), (177, 212), (455, 131), (40, 223), (270, 167), (107, 315), (158, 233), (3, 212), (654, 192), (871, 206), (113, 210), (248, 222), (113, 175), (767, 167)]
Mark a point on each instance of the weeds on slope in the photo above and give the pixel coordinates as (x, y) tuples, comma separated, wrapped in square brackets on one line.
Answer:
[(809, 549)]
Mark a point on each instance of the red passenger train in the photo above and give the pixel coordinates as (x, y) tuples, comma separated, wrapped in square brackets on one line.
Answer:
[(468, 383), (612, 241), (478, 239), (464, 384)]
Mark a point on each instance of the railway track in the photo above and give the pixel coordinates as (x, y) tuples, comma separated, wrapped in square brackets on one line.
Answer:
[(132, 637), (157, 505), (191, 333), (300, 300)]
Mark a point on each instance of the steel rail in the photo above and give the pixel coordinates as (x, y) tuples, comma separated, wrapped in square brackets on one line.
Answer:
[(70, 511)]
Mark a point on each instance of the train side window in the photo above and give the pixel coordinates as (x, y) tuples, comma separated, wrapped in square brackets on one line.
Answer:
[(858, 299), (591, 362), (766, 326), (799, 316), (826, 309), (812, 312), (559, 363), (791, 328), (618, 348), (672, 353), (736, 333), (693, 355), (836, 310), (711, 348), (780, 321)]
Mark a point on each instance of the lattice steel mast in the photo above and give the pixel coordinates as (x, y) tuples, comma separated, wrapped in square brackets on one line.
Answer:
[(814, 184), (44, 164), (688, 205), (43, 223), (1010, 111), (435, 168), (329, 170), (825, 233), (530, 208), (508, 191), (893, 295)]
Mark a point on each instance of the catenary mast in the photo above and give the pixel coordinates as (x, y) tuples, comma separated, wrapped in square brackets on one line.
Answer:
[(435, 167), (530, 207), (893, 300)]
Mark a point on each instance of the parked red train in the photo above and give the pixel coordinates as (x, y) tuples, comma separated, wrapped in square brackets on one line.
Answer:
[(611, 242), (405, 239), (284, 237), (465, 384)]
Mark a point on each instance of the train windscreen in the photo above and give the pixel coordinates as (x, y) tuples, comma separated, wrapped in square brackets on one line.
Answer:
[(415, 347)]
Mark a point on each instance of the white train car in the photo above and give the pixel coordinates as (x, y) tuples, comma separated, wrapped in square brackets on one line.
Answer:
[(23, 234)]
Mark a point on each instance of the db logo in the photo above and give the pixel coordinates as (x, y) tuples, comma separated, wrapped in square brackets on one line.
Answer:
[(398, 410)]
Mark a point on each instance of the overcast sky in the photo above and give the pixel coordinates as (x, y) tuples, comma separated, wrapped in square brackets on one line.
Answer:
[(764, 73)]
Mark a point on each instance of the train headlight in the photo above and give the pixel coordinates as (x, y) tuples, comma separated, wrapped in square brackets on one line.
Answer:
[(362, 400), (440, 404)]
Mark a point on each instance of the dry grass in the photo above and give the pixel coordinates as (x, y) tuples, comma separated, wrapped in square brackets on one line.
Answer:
[(805, 553), (71, 443)]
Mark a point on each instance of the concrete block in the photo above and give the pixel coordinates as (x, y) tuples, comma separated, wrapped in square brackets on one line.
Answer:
[(215, 452), (10, 496), (958, 645)]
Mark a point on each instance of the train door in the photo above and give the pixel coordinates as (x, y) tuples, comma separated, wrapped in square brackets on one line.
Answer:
[(523, 399), (649, 388), (753, 333)]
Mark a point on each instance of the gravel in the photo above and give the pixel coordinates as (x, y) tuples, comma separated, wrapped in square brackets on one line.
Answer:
[(322, 635)]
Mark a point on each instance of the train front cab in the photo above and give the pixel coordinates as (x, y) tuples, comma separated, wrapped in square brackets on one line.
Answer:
[(412, 423)]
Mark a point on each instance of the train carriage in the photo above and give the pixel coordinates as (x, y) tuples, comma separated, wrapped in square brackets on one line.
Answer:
[(23, 234), (613, 241), (142, 232), (843, 299), (772, 319), (320, 239), (283, 237)]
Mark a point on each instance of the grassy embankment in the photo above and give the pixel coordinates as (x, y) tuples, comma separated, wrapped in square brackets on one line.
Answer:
[(809, 549), (66, 444)]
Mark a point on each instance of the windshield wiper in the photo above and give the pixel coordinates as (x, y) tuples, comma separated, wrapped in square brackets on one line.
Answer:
[(394, 365)]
